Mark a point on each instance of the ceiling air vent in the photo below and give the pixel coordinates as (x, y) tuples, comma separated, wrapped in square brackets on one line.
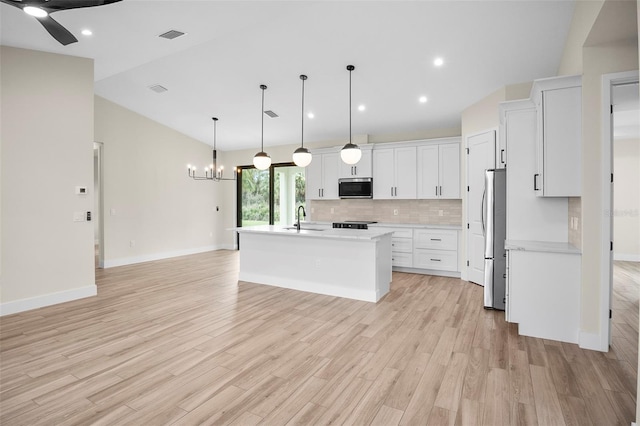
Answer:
[(158, 88), (271, 114), (171, 34)]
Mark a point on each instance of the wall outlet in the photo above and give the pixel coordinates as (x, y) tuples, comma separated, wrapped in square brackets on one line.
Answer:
[(331, 210), (440, 212), (78, 216), (395, 212), (577, 223), (210, 234), (318, 264), (132, 243), (313, 210), (112, 212)]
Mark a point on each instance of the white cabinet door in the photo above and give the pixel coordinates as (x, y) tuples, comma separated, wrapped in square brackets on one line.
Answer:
[(562, 134), (405, 173), (449, 171), (361, 169), (330, 164), (313, 178), (428, 171), (321, 177), (383, 174)]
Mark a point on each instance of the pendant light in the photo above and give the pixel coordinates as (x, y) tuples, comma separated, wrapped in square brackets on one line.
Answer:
[(302, 156), (261, 160), (216, 174), (351, 152)]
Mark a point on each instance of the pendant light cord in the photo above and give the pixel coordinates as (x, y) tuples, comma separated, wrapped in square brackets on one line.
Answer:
[(350, 68), (262, 115), (303, 78)]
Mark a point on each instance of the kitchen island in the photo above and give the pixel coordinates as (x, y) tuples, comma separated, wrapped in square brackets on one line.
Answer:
[(350, 263)]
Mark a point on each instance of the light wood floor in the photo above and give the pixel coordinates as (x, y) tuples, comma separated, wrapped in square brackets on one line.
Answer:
[(180, 342)]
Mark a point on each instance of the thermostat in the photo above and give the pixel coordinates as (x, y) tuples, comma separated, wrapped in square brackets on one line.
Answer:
[(81, 190)]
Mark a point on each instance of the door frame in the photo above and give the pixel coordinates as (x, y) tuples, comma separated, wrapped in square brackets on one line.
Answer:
[(606, 253), (466, 265), (99, 147)]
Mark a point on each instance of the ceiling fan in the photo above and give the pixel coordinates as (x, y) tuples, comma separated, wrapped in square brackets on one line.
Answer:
[(42, 9)]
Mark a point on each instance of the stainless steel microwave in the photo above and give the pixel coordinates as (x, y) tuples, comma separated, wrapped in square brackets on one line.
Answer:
[(355, 188)]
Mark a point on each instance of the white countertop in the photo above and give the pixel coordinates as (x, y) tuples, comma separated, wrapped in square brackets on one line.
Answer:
[(541, 246), (351, 234)]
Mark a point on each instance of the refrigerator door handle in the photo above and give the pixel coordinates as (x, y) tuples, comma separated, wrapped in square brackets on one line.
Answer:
[(482, 210)]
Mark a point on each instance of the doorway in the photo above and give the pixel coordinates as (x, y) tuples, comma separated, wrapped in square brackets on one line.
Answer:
[(269, 197), (98, 221), (615, 106)]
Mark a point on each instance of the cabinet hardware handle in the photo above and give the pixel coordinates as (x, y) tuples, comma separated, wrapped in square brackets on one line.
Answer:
[(436, 190), (319, 193), (355, 170), (441, 191), (502, 156), (392, 191), (396, 191), (436, 239), (535, 182), (436, 260)]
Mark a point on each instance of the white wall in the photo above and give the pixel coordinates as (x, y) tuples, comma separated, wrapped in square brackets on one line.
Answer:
[(153, 210), (47, 150), (626, 200)]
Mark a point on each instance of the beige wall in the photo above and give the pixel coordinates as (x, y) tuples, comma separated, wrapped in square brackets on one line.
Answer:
[(584, 16), (148, 197), (47, 150), (626, 200)]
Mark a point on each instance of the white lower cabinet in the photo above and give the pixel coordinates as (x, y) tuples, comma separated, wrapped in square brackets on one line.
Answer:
[(436, 249), (424, 250), (543, 294)]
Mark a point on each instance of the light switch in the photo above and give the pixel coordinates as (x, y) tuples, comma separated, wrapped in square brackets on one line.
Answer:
[(81, 190), (112, 212), (78, 216)]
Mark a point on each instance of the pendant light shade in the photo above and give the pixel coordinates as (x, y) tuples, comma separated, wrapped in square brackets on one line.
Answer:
[(301, 156), (261, 160), (350, 153)]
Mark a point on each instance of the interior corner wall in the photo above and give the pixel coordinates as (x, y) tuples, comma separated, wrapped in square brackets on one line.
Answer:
[(152, 209), (584, 16), (47, 150)]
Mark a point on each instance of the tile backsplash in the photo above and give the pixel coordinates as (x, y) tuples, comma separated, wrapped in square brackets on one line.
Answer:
[(432, 212), (575, 221)]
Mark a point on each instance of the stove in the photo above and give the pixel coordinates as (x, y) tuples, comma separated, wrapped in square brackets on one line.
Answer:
[(353, 224)]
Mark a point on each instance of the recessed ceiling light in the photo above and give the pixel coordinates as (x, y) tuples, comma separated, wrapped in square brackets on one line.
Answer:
[(310, 115), (87, 32), (361, 107), (423, 99), (438, 62), (35, 11)]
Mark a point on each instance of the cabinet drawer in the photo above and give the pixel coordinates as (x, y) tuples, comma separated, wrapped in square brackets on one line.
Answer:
[(435, 259), (436, 239), (401, 245), (402, 233), (402, 259)]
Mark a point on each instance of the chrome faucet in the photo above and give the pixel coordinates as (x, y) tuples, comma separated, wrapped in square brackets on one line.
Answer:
[(304, 213)]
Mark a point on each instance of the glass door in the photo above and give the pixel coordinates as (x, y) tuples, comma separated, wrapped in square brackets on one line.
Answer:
[(269, 197)]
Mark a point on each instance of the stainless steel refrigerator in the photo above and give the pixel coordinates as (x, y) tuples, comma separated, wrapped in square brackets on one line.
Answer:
[(494, 225)]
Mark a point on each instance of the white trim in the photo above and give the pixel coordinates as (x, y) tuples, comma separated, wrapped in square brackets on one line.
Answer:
[(608, 80), (592, 341), (28, 304), (626, 257), (159, 256)]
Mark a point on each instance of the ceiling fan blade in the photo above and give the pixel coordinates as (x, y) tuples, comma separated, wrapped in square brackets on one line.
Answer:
[(13, 3), (58, 5), (58, 32)]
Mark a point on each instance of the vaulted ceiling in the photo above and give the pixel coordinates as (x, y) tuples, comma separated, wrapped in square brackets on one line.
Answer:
[(231, 47)]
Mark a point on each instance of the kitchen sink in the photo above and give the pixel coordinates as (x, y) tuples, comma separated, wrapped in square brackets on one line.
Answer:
[(293, 228)]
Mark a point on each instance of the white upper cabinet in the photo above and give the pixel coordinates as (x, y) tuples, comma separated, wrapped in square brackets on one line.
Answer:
[(361, 169), (558, 104), (439, 171), (394, 173), (322, 176)]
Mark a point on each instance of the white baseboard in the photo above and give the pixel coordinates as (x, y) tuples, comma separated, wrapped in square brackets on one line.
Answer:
[(592, 341), (627, 257), (110, 263), (22, 305)]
